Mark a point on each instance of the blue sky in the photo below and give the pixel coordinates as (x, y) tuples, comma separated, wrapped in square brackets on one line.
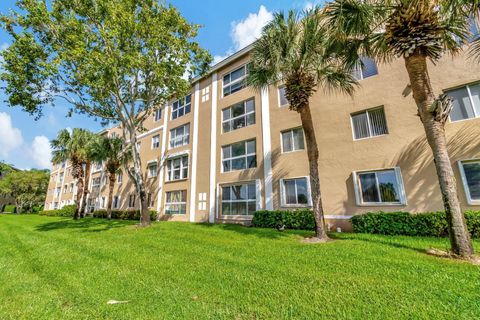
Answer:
[(227, 26)]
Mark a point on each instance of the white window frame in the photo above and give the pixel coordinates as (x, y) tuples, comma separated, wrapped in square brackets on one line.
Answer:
[(359, 70), (167, 204), (245, 66), (470, 201), (475, 113), (231, 120), (119, 177), (283, 193), (149, 172), (185, 138), (280, 105), (246, 155), (157, 115), (155, 144), (257, 197), (116, 205), (358, 191), (369, 124), (183, 106), (291, 135), (182, 167)]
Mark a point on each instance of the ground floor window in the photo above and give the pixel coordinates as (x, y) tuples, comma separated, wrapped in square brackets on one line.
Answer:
[(379, 187), (239, 199), (150, 200), (176, 202), (470, 171), (116, 202), (131, 201), (295, 192)]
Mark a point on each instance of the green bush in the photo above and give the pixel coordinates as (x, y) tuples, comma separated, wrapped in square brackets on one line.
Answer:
[(123, 214), (430, 224), (9, 208), (66, 211), (301, 219)]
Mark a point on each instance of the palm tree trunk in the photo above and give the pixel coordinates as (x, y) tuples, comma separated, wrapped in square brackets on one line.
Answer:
[(110, 195), (88, 166), (313, 155), (435, 132), (78, 199)]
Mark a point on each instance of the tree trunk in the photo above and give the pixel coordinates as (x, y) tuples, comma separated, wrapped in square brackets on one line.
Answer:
[(110, 194), (78, 199), (88, 166), (435, 132), (313, 155)]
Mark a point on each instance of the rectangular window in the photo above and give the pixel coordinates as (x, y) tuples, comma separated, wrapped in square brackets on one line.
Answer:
[(131, 201), (96, 184), (369, 123), (295, 192), (71, 187), (65, 188), (157, 115), (177, 168), (180, 136), (150, 200), (466, 102), (474, 29), (119, 177), (240, 199), (379, 187), (239, 156), (103, 203), (367, 68), (98, 166), (57, 192), (181, 107), (116, 202), (292, 140), (235, 80), (470, 171), (239, 115), (152, 169), (282, 98), (176, 202), (60, 177), (156, 142)]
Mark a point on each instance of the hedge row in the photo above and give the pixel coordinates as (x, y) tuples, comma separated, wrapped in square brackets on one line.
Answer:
[(66, 211), (123, 214), (430, 224), (301, 219)]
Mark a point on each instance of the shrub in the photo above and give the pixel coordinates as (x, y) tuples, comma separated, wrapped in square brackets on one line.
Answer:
[(66, 211), (301, 219), (123, 214), (9, 208), (430, 224)]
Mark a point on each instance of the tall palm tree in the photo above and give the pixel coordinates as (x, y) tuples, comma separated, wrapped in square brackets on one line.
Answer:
[(111, 151), (72, 147), (417, 31), (292, 49)]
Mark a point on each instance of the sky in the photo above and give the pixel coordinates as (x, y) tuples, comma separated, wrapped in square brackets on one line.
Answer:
[(227, 26)]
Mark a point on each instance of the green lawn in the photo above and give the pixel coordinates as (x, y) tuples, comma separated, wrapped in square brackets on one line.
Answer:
[(55, 268)]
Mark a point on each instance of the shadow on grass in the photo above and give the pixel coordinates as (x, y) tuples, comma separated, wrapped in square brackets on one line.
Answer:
[(263, 233), (391, 241), (85, 225)]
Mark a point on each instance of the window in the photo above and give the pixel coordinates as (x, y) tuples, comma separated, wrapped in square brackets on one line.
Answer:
[(156, 142), (96, 184), (131, 201), (239, 115), (60, 177), (368, 69), (57, 192), (379, 187), (206, 94), (176, 202), (65, 188), (235, 80), (104, 180), (180, 136), (295, 192), (369, 123), (152, 169), (119, 177), (71, 187), (158, 114), (239, 156), (240, 199), (150, 201), (181, 107), (177, 168), (98, 166), (470, 172), (113, 135), (116, 202), (474, 29), (282, 98), (103, 203), (292, 140), (466, 102), (55, 205)]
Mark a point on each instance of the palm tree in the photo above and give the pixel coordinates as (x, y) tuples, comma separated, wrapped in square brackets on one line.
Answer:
[(72, 147), (417, 30), (109, 150), (292, 49)]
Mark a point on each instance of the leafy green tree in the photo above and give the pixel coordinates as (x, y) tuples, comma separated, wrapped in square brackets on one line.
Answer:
[(74, 148), (110, 151), (115, 60), (27, 188), (417, 31), (293, 50)]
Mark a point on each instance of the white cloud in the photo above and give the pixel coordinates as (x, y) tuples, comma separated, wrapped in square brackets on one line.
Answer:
[(309, 5), (10, 137), (41, 152), (248, 30), (218, 58)]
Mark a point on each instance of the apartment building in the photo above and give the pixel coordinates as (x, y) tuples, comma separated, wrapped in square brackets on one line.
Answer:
[(226, 150)]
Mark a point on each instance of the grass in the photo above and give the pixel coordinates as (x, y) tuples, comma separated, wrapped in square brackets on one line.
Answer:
[(52, 268)]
